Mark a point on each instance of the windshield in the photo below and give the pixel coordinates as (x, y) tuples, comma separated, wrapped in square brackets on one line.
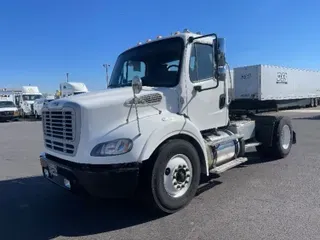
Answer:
[(31, 97), (157, 64), (5, 104)]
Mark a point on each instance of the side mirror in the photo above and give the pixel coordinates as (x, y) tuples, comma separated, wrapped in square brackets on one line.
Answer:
[(219, 53), (221, 58), (136, 85)]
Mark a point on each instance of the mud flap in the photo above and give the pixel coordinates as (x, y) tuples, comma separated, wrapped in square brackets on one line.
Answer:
[(294, 138)]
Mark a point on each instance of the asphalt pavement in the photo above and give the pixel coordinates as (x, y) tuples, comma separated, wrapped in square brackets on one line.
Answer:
[(258, 200)]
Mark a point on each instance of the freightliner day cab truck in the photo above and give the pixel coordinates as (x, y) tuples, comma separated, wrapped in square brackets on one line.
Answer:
[(163, 122)]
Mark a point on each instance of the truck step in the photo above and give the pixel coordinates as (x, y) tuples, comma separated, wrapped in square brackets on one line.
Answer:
[(224, 140), (250, 145), (228, 165)]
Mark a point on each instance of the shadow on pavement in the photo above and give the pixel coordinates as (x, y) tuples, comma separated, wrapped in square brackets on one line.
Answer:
[(317, 117), (255, 158), (32, 208)]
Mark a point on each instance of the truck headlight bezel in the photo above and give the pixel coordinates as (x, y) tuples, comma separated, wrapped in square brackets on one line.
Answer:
[(112, 148)]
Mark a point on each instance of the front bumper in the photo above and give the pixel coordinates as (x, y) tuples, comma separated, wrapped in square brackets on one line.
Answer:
[(8, 117), (105, 181)]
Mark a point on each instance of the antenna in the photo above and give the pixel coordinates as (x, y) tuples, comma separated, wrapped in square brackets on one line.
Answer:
[(67, 75)]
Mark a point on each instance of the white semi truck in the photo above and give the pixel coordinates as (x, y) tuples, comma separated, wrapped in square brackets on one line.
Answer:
[(38, 105), (25, 100), (72, 88), (163, 122)]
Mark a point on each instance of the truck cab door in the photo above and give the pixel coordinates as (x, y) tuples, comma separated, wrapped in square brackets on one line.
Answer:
[(206, 98)]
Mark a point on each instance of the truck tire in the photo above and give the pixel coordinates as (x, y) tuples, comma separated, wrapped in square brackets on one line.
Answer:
[(281, 142), (175, 176), (312, 102)]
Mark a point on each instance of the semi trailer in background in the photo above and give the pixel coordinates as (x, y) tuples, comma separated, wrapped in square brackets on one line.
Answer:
[(267, 87)]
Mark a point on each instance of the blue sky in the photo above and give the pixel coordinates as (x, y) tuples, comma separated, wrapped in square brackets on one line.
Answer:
[(42, 40)]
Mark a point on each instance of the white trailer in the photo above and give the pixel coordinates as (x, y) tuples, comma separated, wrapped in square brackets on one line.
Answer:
[(275, 87), (162, 123), (72, 88), (5, 96)]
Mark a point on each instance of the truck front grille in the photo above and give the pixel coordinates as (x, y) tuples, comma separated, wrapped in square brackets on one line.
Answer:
[(7, 113), (59, 130)]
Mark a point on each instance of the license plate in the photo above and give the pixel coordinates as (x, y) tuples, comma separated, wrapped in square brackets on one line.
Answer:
[(53, 169)]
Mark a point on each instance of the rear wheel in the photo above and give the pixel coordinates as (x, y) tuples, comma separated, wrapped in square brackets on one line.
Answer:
[(175, 176), (282, 140), (312, 102)]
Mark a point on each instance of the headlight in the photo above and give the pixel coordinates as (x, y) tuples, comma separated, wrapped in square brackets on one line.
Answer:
[(112, 148)]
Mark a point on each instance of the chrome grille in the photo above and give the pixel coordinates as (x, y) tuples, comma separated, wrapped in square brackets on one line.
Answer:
[(59, 130)]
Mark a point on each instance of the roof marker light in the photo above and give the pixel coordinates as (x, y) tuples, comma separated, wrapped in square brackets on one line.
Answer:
[(158, 37), (176, 33), (149, 40), (186, 30)]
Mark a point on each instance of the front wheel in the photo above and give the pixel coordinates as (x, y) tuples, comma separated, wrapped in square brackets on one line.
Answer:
[(175, 175)]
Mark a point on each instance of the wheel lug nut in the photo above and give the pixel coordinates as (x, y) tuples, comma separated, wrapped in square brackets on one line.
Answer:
[(175, 183), (178, 186), (187, 170), (167, 172), (187, 181), (180, 166), (188, 175)]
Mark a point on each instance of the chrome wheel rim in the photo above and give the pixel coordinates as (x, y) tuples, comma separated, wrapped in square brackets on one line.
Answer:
[(178, 175), (285, 137)]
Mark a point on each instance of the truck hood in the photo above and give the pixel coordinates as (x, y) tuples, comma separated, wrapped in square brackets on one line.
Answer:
[(104, 111)]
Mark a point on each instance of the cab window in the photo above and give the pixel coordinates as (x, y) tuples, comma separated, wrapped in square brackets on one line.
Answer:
[(201, 65)]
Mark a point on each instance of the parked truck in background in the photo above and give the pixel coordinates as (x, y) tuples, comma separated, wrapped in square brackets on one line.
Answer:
[(8, 110), (163, 122), (72, 88), (39, 103), (25, 100), (268, 87)]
